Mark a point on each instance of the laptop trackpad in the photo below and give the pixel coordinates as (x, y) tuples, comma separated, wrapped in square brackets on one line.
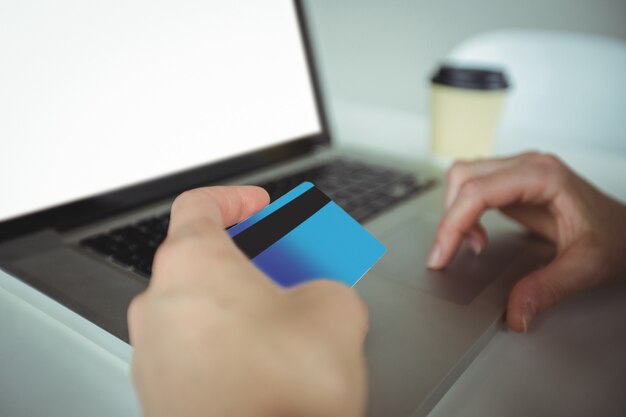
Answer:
[(409, 245)]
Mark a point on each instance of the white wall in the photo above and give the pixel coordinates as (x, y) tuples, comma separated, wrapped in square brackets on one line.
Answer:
[(380, 51)]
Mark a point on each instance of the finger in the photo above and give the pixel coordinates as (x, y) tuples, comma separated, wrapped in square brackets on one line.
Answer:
[(196, 250), (223, 206), (463, 171), (477, 238), (536, 219), (134, 316), (518, 184), (570, 273), (333, 308)]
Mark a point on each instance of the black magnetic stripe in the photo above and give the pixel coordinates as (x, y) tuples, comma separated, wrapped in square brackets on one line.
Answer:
[(267, 231)]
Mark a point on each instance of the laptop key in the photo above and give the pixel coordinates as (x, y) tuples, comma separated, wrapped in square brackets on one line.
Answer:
[(361, 213)]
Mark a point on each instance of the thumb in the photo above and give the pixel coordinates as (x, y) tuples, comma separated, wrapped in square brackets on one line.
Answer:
[(572, 271)]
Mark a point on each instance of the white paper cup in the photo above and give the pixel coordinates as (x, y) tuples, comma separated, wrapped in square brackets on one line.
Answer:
[(466, 104)]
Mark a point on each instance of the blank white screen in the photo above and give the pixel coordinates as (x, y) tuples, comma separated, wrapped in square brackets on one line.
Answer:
[(95, 95)]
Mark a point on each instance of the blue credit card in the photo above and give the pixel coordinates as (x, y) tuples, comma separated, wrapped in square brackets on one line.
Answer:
[(304, 235)]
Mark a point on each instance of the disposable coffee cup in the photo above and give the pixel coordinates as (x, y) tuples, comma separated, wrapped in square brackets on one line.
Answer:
[(466, 104)]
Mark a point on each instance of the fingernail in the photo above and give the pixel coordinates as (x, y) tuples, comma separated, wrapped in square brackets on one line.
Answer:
[(474, 244), (528, 314), (434, 257)]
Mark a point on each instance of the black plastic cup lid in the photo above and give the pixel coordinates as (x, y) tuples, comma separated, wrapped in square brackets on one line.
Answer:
[(474, 78)]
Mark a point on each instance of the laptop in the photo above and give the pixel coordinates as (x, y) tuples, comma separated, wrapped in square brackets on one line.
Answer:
[(111, 110)]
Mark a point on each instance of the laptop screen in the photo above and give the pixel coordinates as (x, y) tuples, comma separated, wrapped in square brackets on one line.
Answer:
[(97, 95)]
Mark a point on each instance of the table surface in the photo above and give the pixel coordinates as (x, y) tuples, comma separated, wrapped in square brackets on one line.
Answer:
[(55, 363)]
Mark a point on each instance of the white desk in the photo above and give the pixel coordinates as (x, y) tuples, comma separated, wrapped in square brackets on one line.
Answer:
[(54, 363)]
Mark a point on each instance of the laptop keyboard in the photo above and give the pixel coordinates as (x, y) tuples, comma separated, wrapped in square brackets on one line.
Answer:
[(363, 190)]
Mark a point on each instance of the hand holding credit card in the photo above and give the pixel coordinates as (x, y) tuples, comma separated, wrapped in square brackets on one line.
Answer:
[(304, 235)]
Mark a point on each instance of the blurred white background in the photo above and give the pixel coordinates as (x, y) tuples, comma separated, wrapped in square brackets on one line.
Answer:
[(380, 51)]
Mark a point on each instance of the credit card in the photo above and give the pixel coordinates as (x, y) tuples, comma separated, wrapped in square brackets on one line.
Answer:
[(304, 235)]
